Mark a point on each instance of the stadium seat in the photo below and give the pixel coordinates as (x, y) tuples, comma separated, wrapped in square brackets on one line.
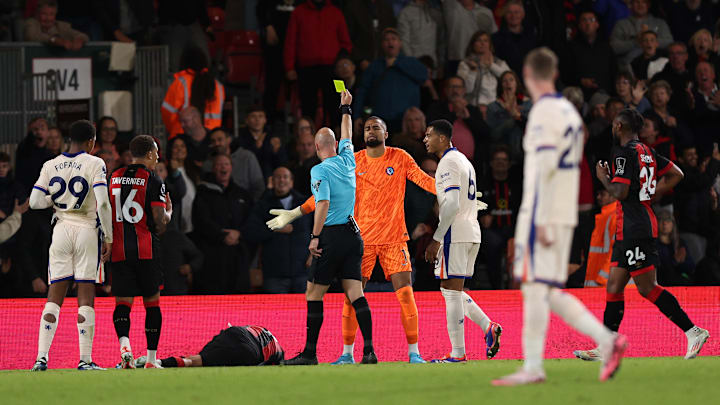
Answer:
[(243, 57), (217, 18)]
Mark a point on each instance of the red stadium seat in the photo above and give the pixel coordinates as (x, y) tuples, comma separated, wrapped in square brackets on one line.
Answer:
[(243, 57), (217, 18)]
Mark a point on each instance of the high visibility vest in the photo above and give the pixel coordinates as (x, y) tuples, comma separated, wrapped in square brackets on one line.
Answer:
[(601, 248), (178, 97)]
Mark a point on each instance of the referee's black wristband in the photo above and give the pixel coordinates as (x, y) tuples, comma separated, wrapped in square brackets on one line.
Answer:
[(345, 109)]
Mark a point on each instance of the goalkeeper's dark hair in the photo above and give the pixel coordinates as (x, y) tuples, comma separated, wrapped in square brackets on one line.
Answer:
[(141, 145), (442, 127), (82, 131), (631, 119), (378, 119)]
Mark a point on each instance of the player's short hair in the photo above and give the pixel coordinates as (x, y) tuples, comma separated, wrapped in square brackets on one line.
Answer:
[(543, 63), (442, 127), (82, 131), (631, 119), (141, 145), (4, 157), (376, 118)]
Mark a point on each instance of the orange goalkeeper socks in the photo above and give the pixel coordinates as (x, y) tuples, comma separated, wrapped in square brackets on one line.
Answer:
[(349, 323), (409, 313)]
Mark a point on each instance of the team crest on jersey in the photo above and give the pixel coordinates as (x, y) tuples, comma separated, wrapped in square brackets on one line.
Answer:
[(316, 185), (619, 166), (390, 171)]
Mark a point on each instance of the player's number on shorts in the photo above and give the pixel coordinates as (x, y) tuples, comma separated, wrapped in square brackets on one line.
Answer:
[(649, 183), (72, 188), (570, 157), (130, 210), (634, 257)]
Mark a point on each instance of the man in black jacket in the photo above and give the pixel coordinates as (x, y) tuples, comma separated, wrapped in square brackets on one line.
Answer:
[(284, 254), (220, 210), (590, 62)]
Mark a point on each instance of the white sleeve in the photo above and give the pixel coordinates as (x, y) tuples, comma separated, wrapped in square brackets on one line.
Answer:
[(40, 196), (448, 211), (546, 166), (104, 209), (10, 225)]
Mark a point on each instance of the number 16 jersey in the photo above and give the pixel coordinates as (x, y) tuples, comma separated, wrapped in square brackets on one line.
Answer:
[(134, 190), (638, 166)]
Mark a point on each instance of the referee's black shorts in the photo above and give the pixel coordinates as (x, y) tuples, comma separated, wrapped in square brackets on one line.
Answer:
[(133, 278), (234, 346), (342, 251)]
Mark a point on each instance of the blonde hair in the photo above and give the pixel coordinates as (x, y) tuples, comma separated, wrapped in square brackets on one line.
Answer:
[(543, 63)]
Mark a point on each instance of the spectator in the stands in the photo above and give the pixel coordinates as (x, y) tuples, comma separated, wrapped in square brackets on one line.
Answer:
[(590, 62), (345, 71), (514, 40), (470, 132), (31, 153), (391, 84), (610, 12), (652, 135), (481, 70), (463, 18), (428, 92), (595, 120), (366, 20), (182, 24), (705, 120), (284, 255), (422, 31), (306, 159), (507, 115), (273, 18), (268, 148), (701, 50), (246, 171), (316, 35), (175, 186), (413, 132), (107, 130), (679, 78), (626, 33), (220, 210), (502, 192), (179, 164), (195, 134), (55, 143), (631, 91), (686, 16), (650, 62), (180, 257), (676, 267), (46, 29), (109, 159), (599, 146), (126, 20), (659, 94), (10, 190), (193, 86)]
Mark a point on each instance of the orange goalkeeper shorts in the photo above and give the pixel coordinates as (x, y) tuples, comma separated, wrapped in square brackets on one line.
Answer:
[(393, 259)]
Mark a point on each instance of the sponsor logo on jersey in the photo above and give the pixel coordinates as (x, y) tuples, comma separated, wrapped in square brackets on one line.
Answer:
[(390, 171), (619, 166)]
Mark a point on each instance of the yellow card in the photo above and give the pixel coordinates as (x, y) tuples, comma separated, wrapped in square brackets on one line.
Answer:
[(339, 85)]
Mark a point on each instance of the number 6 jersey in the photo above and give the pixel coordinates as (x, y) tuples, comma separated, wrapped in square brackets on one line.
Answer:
[(638, 166), (134, 190)]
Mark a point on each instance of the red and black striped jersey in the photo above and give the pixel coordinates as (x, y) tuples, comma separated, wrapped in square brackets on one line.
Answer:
[(638, 166), (271, 351), (134, 190)]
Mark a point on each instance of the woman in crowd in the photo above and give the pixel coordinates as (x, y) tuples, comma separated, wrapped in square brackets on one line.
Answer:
[(659, 94), (631, 91), (676, 265), (481, 70), (506, 116), (413, 132), (180, 165), (107, 130)]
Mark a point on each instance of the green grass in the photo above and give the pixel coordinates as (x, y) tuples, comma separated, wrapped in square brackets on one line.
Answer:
[(640, 381)]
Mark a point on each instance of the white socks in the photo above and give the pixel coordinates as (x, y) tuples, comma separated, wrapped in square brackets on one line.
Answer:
[(348, 349), (575, 314), (455, 320), (413, 348), (86, 331), (47, 329), (151, 356), (473, 311), (536, 313)]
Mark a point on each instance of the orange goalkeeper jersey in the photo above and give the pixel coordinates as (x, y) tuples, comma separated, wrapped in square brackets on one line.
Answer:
[(380, 194)]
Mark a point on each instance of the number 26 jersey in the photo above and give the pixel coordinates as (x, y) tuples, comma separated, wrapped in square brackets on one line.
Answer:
[(134, 190), (638, 166)]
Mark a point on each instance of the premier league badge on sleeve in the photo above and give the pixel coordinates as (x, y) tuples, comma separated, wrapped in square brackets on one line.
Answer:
[(619, 166)]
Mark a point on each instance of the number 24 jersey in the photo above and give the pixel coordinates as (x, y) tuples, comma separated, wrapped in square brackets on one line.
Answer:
[(638, 166)]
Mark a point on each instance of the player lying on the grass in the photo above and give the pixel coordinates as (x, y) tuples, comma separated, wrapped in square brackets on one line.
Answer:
[(248, 345), (553, 146), (74, 184), (634, 181), (381, 175), (456, 241)]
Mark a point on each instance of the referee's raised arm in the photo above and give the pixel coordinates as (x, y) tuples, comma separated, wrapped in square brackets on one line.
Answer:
[(346, 124)]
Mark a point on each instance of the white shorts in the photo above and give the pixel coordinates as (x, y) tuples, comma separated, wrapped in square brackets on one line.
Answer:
[(74, 254), (534, 262), (456, 260)]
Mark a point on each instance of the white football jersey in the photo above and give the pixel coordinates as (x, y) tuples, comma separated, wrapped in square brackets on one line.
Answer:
[(553, 145), (455, 174), (70, 180)]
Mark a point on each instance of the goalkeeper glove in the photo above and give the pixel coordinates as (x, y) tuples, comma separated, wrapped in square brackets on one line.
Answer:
[(481, 206), (283, 217)]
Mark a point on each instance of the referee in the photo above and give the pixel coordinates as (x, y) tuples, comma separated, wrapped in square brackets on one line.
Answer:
[(336, 234)]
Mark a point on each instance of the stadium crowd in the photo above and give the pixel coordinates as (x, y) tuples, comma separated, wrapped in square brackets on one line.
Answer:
[(409, 62)]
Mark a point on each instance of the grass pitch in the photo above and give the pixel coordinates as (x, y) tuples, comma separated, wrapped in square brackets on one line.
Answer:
[(640, 381)]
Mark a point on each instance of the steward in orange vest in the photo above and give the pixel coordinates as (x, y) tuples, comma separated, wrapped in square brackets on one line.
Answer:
[(180, 95)]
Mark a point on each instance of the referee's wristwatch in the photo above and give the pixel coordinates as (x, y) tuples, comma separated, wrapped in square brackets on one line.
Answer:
[(313, 236)]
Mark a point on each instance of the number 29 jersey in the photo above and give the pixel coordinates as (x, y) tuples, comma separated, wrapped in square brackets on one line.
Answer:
[(134, 190), (638, 166)]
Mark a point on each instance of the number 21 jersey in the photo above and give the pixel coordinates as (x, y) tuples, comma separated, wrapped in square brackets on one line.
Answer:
[(638, 166), (134, 190)]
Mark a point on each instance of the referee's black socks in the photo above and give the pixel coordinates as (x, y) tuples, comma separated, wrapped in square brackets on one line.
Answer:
[(362, 314), (314, 322)]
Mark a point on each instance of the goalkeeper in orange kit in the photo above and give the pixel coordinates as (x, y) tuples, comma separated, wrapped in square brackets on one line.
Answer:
[(381, 174)]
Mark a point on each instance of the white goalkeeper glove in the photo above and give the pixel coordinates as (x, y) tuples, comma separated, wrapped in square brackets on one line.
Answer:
[(481, 206), (283, 217)]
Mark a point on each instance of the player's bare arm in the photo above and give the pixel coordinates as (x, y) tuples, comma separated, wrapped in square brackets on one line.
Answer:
[(321, 212), (668, 181), (346, 125), (162, 215), (617, 190)]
